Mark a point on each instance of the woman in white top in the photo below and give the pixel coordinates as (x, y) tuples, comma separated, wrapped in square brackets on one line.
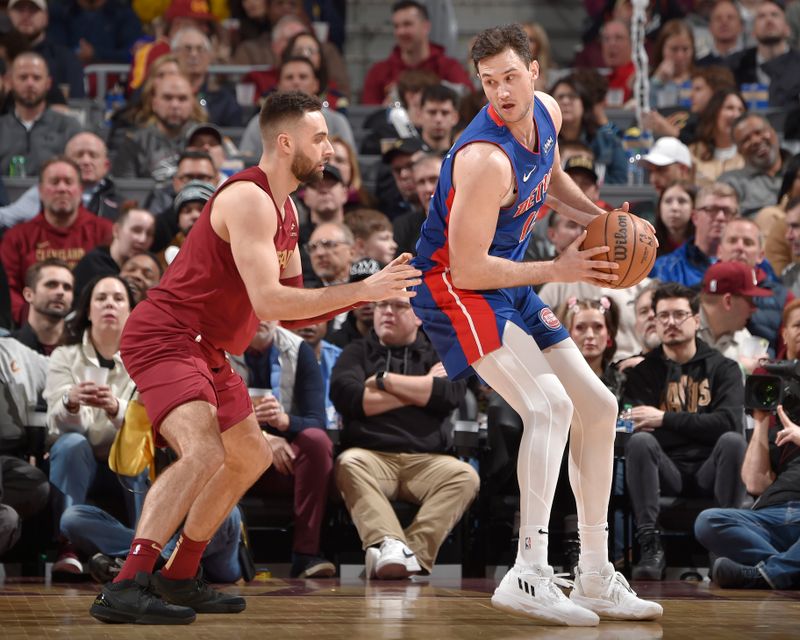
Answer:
[(83, 416)]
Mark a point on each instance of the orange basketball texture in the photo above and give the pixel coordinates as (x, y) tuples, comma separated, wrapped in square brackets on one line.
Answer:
[(632, 244)]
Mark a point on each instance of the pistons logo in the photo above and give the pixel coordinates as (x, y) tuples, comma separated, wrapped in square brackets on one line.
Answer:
[(549, 319)]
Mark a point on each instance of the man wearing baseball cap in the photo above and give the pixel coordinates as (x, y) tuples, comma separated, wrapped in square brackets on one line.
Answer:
[(30, 19), (188, 205), (668, 161), (726, 304)]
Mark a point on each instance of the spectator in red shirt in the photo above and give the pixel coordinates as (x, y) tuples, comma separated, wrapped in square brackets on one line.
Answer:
[(413, 50), (64, 229), (615, 44)]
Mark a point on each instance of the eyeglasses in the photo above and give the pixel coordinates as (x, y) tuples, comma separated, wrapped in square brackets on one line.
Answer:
[(678, 317), (561, 97), (713, 210), (326, 245), (202, 177), (396, 307)]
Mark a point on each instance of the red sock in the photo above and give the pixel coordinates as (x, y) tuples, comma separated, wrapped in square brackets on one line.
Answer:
[(185, 560), (141, 557)]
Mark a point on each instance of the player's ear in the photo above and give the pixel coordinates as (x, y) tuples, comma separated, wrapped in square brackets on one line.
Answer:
[(534, 69)]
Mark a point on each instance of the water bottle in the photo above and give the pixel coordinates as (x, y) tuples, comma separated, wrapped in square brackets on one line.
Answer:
[(624, 421), (115, 99), (16, 167), (631, 142), (398, 117)]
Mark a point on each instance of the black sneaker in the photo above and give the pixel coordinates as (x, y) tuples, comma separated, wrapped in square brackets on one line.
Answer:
[(197, 594), (305, 566), (135, 602), (104, 568), (732, 575), (652, 564)]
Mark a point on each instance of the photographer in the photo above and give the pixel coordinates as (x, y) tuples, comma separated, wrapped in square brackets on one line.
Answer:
[(759, 548)]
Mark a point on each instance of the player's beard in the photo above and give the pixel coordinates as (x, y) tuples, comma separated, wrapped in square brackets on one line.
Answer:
[(305, 169)]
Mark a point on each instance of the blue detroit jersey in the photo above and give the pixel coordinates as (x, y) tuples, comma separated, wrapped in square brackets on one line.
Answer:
[(465, 325), (532, 170)]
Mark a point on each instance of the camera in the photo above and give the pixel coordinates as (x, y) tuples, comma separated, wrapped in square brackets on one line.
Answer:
[(780, 386)]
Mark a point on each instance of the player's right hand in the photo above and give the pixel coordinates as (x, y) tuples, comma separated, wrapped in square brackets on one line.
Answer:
[(393, 281), (577, 265)]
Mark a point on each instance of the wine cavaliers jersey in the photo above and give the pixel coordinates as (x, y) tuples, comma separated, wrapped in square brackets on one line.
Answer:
[(202, 288)]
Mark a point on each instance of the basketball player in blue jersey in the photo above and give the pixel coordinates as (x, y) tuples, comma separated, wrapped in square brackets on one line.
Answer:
[(478, 308)]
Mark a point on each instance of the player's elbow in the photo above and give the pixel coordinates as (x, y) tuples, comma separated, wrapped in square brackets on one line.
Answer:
[(464, 274)]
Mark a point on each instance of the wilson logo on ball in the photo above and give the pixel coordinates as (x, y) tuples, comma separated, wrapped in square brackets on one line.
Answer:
[(621, 240)]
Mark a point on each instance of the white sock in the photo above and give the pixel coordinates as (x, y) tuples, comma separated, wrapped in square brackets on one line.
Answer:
[(533, 546), (594, 547)]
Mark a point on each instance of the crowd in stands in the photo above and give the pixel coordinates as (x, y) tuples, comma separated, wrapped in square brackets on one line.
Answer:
[(360, 407)]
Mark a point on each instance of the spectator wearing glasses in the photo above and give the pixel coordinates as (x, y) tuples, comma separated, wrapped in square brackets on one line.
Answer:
[(192, 165), (330, 250), (726, 304), (688, 413), (715, 206), (395, 188), (395, 399)]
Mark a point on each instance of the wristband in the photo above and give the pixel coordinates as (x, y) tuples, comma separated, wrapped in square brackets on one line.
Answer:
[(380, 382)]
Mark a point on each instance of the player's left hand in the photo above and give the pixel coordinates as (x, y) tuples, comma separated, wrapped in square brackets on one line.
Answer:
[(626, 207)]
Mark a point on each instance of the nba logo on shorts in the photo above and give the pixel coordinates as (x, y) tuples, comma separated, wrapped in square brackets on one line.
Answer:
[(549, 319), (527, 544)]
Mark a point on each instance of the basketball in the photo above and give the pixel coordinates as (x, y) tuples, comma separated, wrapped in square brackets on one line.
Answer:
[(632, 244)]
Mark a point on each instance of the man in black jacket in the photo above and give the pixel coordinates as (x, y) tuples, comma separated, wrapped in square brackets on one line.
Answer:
[(394, 397), (688, 416)]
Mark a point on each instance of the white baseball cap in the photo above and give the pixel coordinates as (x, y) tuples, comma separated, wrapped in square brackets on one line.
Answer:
[(669, 150), (42, 4)]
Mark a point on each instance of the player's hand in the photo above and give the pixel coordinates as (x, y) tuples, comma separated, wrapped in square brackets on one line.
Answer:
[(576, 265), (393, 280), (626, 205)]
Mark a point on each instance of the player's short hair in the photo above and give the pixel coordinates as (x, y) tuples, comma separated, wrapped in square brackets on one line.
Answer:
[(673, 290), (490, 42), (34, 272), (283, 107)]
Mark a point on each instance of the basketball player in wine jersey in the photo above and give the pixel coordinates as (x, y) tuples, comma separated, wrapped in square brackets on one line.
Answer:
[(479, 310), (238, 266)]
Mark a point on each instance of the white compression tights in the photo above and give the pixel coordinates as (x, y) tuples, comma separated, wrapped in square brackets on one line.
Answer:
[(549, 390)]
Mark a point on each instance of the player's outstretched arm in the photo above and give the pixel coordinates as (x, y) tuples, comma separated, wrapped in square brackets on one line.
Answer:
[(244, 216)]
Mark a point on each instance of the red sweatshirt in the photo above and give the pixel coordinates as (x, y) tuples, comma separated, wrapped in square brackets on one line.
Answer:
[(383, 74), (37, 239)]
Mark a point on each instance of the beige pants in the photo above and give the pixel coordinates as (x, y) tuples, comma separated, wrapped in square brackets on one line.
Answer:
[(442, 485)]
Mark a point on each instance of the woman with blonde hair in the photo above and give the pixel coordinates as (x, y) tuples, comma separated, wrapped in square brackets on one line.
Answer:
[(540, 50), (673, 62)]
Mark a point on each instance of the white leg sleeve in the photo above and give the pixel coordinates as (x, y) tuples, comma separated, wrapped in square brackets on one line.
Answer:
[(520, 373), (591, 448)]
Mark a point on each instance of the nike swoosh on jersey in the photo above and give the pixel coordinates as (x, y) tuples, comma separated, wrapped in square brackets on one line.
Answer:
[(525, 176)]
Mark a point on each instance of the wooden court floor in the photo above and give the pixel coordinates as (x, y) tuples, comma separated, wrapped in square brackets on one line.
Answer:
[(435, 609)]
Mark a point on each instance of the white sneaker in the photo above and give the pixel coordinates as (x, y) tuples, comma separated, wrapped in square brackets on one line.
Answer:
[(394, 561), (610, 596), (370, 561), (535, 592)]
